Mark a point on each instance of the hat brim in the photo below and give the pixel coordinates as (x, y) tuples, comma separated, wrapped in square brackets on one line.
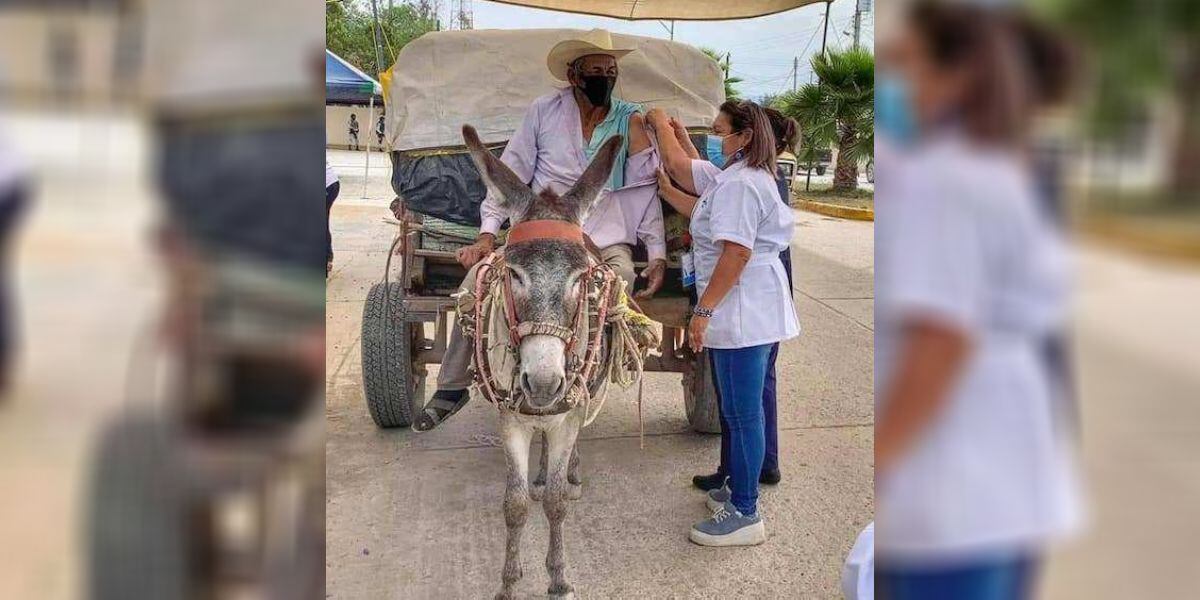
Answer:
[(564, 53)]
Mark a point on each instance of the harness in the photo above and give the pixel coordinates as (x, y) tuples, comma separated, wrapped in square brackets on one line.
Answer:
[(487, 310)]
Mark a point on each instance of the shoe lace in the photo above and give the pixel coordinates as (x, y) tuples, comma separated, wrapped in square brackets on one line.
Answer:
[(721, 515)]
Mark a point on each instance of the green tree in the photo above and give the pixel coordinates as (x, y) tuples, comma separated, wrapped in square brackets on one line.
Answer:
[(838, 110), (348, 30), (1140, 54), (731, 92)]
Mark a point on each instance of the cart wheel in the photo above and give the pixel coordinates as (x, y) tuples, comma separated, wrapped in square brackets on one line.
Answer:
[(394, 389), (137, 525), (700, 396)]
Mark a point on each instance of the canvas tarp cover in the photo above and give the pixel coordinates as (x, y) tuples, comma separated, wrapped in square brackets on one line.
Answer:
[(488, 78), (682, 10)]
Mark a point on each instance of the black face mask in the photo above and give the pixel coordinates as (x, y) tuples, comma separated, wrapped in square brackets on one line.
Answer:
[(598, 88)]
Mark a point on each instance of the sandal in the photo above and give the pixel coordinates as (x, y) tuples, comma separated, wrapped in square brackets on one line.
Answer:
[(442, 406)]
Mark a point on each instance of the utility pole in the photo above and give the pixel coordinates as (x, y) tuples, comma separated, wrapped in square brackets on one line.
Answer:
[(857, 23), (862, 6), (825, 34), (795, 70)]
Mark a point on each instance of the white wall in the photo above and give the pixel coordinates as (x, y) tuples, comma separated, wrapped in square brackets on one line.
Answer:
[(337, 120)]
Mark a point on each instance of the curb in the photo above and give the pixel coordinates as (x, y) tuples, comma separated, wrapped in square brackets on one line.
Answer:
[(1141, 238), (836, 210)]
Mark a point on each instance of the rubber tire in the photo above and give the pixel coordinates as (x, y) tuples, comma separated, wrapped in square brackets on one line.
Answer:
[(394, 392), (137, 538), (700, 396)]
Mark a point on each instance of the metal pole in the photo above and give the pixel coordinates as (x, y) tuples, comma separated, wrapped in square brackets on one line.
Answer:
[(375, 31), (825, 34), (370, 134), (795, 70), (857, 22), (672, 30)]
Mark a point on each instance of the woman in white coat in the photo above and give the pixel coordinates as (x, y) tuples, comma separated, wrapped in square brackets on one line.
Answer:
[(973, 465), (738, 226)]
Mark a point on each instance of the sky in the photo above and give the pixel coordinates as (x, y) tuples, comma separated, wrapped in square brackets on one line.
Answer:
[(762, 49)]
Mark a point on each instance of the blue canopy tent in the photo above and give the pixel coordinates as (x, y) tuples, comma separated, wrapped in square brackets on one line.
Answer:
[(346, 84)]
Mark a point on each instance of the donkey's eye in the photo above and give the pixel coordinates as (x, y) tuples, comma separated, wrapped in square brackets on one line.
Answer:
[(516, 276)]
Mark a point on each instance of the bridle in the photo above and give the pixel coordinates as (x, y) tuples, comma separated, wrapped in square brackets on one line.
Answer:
[(595, 294)]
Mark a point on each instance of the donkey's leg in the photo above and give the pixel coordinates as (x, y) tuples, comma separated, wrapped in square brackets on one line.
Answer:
[(574, 481), (516, 498), (561, 440), (539, 482)]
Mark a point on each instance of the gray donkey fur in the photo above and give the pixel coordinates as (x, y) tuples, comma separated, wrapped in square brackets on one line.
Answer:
[(544, 273)]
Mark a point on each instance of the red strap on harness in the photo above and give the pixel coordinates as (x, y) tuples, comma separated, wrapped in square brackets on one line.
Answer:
[(545, 229)]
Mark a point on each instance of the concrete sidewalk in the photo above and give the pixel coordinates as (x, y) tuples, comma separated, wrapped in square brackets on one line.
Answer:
[(413, 516)]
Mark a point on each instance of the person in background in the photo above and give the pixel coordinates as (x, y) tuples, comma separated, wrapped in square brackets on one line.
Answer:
[(975, 474), (353, 130), (379, 130), (787, 133), (739, 226), (14, 196), (332, 187)]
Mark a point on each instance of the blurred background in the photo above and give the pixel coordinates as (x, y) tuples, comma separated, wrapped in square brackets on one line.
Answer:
[(161, 299), (1119, 165)]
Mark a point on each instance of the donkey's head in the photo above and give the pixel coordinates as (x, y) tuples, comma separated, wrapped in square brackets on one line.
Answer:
[(544, 272)]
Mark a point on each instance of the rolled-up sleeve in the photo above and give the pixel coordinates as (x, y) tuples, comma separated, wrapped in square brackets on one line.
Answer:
[(736, 214), (520, 155), (642, 167)]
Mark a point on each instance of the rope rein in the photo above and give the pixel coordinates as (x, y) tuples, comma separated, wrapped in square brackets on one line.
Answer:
[(487, 310)]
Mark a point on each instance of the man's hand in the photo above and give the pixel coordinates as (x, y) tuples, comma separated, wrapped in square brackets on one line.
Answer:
[(653, 273), (469, 255)]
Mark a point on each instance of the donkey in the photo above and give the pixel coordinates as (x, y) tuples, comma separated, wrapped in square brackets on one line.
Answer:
[(544, 273)]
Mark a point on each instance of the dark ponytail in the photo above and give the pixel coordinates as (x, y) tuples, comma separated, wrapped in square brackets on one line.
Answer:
[(786, 130), (745, 115)]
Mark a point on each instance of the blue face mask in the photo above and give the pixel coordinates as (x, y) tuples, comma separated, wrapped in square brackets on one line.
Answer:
[(894, 113), (713, 148)]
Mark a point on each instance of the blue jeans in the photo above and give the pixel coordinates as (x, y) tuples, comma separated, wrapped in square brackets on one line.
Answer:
[(739, 374), (1000, 579), (769, 400)]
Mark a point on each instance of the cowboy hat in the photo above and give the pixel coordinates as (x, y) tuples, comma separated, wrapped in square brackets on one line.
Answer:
[(596, 41)]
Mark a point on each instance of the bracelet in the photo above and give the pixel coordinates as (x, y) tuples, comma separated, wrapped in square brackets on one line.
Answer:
[(700, 311)]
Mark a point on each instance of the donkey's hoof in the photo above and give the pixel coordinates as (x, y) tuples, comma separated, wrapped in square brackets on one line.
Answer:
[(536, 491), (561, 592), (574, 491)]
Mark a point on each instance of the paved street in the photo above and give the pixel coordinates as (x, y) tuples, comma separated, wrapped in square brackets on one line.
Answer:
[(420, 516)]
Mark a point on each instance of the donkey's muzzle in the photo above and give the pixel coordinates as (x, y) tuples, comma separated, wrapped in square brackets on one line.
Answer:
[(543, 390), (543, 377)]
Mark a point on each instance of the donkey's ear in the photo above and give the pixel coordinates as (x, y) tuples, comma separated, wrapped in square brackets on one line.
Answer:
[(583, 194), (508, 189)]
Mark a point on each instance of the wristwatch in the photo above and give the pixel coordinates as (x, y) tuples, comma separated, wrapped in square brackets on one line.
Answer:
[(700, 311)]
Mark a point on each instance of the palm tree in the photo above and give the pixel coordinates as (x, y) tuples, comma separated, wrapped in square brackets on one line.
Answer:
[(840, 110), (731, 92)]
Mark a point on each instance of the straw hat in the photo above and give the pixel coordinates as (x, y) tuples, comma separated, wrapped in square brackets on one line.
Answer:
[(596, 41)]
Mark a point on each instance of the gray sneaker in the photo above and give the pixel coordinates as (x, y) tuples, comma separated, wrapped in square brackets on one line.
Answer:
[(717, 498), (726, 528)]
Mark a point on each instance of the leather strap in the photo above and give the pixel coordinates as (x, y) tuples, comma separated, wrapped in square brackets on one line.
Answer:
[(545, 229)]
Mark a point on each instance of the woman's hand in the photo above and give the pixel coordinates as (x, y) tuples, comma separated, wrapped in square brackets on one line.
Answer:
[(681, 132), (657, 117), (696, 328), (664, 181)]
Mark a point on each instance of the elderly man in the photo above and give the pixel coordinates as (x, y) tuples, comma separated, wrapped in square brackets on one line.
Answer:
[(550, 149)]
